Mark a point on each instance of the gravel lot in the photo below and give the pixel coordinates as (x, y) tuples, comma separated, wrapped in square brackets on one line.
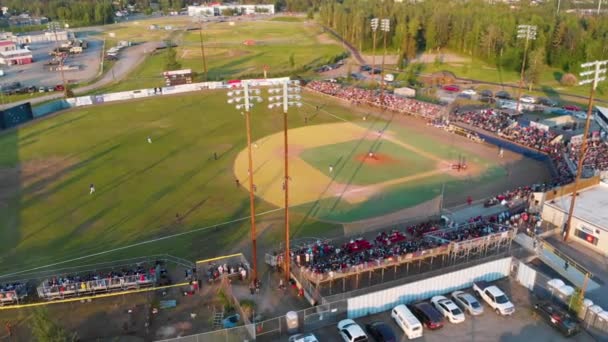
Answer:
[(36, 75), (522, 326)]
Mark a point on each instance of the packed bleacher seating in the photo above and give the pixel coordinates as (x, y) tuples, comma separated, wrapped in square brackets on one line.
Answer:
[(12, 293), (476, 227), (96, 282), (373, 98), (596, 156), (486, 119)]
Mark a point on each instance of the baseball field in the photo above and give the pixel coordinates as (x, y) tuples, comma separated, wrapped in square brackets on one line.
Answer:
[(172, 195)]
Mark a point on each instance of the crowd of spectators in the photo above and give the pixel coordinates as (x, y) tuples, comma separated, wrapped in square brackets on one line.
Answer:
[(11, 292), (486, 119), (373, 98), (596, 156), (216, 272), (325, 257), (99, 280)]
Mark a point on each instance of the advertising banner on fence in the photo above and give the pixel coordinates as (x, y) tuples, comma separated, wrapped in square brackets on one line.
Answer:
[(83, 101), (125, 95)]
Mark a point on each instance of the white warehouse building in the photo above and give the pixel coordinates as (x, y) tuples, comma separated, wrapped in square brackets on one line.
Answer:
[(216, 9), (590, 219)]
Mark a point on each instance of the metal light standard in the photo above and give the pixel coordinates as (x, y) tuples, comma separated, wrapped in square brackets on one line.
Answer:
[(200, 30), (385, 26), (288, 96), (374, 25), (595, 73), (248, 95), (53, 27), (527, 32)]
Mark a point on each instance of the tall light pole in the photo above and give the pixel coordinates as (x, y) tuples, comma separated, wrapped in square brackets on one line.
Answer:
[(526, 32), (200, 31), (374, 25), (599, 6), (559, 3), (595, 73), (289, 96), (385, 27), (248, 95), (54, 26)]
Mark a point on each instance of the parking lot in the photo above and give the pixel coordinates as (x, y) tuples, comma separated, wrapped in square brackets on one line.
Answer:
[(35, 74), (523, 325)]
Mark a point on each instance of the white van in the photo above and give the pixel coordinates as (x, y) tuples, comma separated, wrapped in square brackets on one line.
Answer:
[(406, 320), (389, 78)]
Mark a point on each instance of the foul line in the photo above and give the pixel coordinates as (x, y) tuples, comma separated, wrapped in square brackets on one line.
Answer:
[(105, 295), (138, 244), (218, 258)]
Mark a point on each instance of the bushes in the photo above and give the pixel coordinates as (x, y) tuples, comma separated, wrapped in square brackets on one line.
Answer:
[(568, 80)]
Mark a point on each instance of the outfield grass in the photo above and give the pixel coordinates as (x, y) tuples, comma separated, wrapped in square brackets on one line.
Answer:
[(140, 187), (397, 162)]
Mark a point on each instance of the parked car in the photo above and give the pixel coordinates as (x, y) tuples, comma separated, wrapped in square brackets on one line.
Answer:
[(231, 321), (467, 302), (427, 315), (464, 96), (376, 71), (545, 101), (381, 332), (528, 99), (503, 95), (557, 317), (59, 87), (365, 68), (492, 295), (389, 78), (572, 108), (303, 338), (406, 320), (357, 76), (486, 93), (470, 92), (448, 309), (451, 88), (351, 331)]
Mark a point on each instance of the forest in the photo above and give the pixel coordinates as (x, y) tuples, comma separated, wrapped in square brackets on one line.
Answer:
[(475, 28)]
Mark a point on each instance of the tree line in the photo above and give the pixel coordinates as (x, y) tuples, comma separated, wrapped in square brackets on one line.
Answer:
[(476, 28), (73, 12)]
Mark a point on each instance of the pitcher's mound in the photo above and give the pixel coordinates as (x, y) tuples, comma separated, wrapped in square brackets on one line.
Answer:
[(375, 159)]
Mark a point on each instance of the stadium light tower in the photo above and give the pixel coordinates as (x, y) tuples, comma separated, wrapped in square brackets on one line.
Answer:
[(385, 27), (53, 26), (374, 25), (527, 32), (248, 95), (288, 96), (595, 73), (199, 19)]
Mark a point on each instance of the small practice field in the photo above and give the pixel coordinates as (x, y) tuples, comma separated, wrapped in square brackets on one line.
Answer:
[(146, 193), (236, 49)]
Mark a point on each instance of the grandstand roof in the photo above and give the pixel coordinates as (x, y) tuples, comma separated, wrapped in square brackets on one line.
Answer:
[(590, 205)]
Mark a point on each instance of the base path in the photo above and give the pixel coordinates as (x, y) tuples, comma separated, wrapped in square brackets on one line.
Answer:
[(309, 184)]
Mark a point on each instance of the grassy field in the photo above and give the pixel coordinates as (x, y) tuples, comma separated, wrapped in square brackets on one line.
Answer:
[(392, 161), (479, 70), (46, 167), (227, 57)]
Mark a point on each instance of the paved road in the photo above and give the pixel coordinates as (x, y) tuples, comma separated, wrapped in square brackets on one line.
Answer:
[(132, 57)]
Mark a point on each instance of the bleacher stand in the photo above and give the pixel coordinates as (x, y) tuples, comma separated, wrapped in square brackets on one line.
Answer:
[(13, 293), (64, 286)]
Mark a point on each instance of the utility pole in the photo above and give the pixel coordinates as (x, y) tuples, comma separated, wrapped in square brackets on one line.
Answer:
[(595, 73), (200, 31), (599, 6), (374, 25), (248, 95), (54, 26), (289, 91), (527, 32), (385, 27), (559, 2)]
